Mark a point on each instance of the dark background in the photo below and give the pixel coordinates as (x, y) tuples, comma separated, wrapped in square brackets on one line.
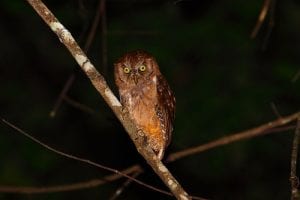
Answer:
[(224, 82)]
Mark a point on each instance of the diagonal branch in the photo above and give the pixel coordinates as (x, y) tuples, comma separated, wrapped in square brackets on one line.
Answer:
[(101, 86)]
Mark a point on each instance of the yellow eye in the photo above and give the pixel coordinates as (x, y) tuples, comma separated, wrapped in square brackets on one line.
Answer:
[(126, 70), (142, 68)]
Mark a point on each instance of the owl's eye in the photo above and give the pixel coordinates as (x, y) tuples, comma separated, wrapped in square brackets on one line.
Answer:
[(142, 68), (126, 70)]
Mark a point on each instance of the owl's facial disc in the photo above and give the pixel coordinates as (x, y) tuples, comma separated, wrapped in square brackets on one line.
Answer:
[(135, 72)]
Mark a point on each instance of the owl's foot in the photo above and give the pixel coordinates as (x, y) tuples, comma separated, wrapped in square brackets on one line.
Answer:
[(140, 133)]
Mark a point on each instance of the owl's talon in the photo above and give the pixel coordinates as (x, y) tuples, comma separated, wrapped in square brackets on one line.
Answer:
[(124, 110), (140, 133)]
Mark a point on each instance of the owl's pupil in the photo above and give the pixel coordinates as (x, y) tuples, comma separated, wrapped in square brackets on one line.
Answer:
[(126, 70), (142, 68)]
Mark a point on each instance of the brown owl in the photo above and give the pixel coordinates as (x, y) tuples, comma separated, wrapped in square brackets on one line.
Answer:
[(147, 96)]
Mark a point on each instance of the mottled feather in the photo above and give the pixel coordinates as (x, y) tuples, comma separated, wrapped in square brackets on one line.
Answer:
[(166, 107)]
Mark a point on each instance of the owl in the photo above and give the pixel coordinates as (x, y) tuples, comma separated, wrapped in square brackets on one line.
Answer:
[(147, 96)]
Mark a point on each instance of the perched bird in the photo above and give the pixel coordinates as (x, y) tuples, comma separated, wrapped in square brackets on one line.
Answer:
[(147, 96)]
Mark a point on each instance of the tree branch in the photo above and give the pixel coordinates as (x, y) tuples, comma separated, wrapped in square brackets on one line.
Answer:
[(293, 178), (101, 86), (68, 187), (260, 130)]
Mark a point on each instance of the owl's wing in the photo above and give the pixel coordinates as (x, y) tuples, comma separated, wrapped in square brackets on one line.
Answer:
[(165, 109)]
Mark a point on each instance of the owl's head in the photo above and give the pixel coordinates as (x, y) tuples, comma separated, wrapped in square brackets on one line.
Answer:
[(134, 68)]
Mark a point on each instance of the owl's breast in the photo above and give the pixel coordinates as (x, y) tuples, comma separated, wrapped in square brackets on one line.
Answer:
[(141, 102), (142, 94)]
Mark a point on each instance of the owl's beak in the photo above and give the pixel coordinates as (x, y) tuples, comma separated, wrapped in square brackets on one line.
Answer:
[(135, 78)]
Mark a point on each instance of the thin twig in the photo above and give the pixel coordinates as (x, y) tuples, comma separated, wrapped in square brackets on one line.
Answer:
[(280, 129), (104, 37), (68, 187), (120, 190), (93, 30), (101, 86), (260, 130), (261, 18), (271, 24), (294, 155), (79, 106), (62, 94), (275, 110)]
